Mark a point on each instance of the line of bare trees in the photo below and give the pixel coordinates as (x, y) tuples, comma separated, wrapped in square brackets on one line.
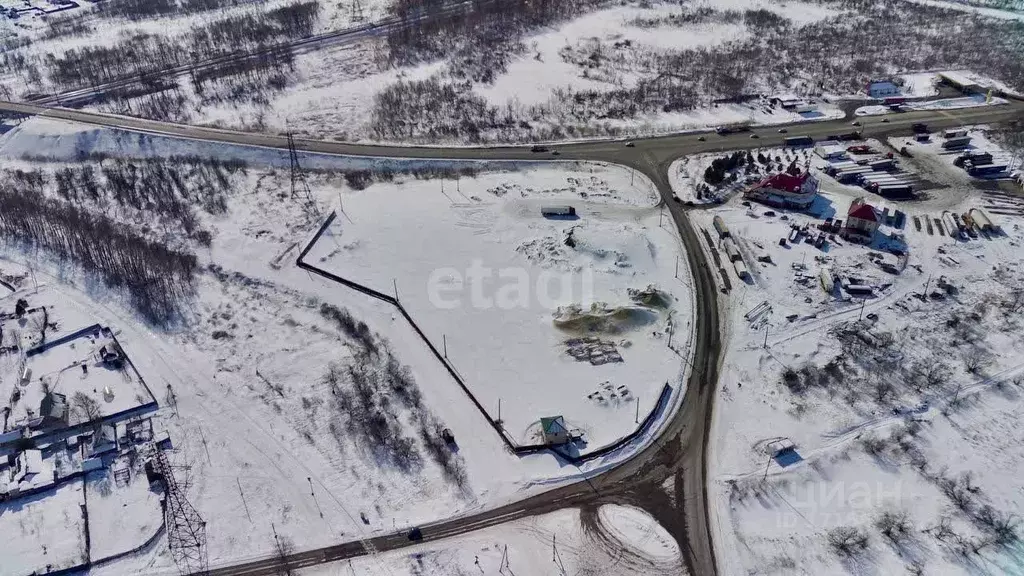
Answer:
[(155, 277), (142, 54), (136, 10)]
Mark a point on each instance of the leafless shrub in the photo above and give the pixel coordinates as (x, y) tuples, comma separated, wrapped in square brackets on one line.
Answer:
[(847, 540), (975, 358), (1002, 526), (960, 491), (873, 445), (895, 526)]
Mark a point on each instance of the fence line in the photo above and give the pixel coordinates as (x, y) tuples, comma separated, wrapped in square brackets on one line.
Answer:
[(518, 449)]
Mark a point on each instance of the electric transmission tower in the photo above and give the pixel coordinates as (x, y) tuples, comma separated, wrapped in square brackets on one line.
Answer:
[(300, 188), (186, 530)]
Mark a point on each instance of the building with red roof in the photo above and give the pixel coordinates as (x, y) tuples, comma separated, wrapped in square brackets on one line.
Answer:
[(784, 190), (862, 221)]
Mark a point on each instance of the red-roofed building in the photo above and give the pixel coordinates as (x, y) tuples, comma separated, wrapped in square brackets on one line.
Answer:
[(785, 190), (862, 221)]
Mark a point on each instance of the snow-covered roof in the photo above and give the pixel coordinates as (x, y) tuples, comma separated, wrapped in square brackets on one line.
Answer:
[(862, 211), (553, 424), (784, 181)]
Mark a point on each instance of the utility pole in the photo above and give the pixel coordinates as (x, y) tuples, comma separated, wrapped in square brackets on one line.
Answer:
[(863, 302), (661, 215), (395, 284), (677, 267), (242, 494), (313, 494), (444, 341), (637, 419), (766, 468), (924, 295), (766, 336), (205, 447)]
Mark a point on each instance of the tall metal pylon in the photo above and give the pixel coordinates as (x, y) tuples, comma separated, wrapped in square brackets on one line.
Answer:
[(299, 185), (186, 529)]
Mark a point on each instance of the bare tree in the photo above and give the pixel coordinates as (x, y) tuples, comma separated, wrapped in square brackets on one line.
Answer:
[(1015, 301), (975, 358), (895, 526), (884, 390), (847, 540), (85, 407)]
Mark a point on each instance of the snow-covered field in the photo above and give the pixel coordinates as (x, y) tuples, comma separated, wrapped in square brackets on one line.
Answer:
[(44, 532), (543, 316), (259, 362), (893, 403)]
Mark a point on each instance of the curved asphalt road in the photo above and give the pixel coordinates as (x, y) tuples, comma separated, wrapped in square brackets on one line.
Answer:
[(678, 458)]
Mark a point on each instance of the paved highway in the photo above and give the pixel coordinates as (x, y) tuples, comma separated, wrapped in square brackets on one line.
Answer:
[(678, 458)]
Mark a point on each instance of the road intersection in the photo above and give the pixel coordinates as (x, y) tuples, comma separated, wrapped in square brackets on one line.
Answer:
[(668, 478)]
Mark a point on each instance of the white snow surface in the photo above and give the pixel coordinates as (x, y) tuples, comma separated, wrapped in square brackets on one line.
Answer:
[(43, 530), (498, 330), (262, 461)]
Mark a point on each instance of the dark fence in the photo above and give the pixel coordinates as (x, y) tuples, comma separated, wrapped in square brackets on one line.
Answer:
[(511, 444)]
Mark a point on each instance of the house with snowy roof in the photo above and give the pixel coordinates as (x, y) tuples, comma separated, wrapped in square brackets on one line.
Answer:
[(784, 190), (862, 221)]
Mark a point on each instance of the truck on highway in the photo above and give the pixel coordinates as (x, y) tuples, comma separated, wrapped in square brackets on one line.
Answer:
[(732, 129), (796, 141)]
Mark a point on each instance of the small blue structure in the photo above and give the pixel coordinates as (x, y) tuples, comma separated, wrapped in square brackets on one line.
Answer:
[(882, 89)]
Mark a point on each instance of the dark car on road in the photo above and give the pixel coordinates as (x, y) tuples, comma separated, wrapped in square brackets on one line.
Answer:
[(539, 148)]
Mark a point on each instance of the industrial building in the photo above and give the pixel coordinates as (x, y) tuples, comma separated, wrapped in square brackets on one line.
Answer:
[(882, 89)]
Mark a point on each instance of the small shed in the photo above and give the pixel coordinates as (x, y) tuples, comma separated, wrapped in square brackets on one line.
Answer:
[(554, 430), (558, 211)]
